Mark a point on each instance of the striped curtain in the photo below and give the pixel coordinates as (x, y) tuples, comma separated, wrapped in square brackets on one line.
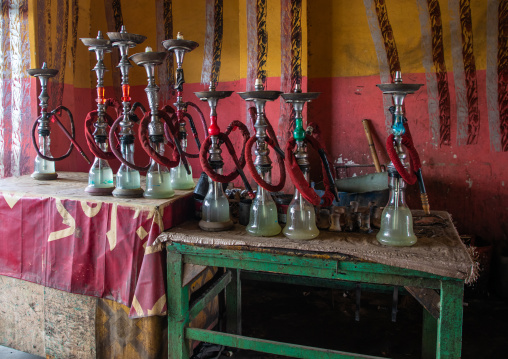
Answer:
[(15, 108)]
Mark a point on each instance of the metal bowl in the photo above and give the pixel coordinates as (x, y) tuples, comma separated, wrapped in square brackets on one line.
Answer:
[(93, 42), (205, 95), (151, 57), (132, 39), (175, 44), (260, 95), (42, 72), (300, 96), (399, 88)]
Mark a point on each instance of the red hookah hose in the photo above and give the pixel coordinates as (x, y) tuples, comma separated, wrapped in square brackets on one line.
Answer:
[(117, 152), (145, 142), (71, 135), (299, 180), (414, 162), (224, 138), (201, 116), (269, 130), (90, 140)]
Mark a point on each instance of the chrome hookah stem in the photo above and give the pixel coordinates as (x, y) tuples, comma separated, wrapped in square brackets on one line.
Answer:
[(100, 125)]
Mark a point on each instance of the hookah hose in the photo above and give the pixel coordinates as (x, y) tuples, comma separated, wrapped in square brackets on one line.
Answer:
[(170, 126), (271, 140), (299, 180), (71, 136), (239, 163), (145, 142), (415, 165), (116, 151)]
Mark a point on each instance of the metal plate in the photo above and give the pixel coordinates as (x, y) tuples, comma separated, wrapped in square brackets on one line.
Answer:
[(300, 96), (173, 44), (125, 36), (42, 72), (96, 43), (399, 88), (204, 95), (261, 95), (151, 57)]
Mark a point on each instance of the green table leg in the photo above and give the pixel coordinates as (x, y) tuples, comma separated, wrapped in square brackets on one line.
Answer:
[(429, 336), (234, 304), (178, 308), (449, 328)]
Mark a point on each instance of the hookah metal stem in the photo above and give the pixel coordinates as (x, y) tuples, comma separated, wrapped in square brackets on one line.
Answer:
[(69, 136)]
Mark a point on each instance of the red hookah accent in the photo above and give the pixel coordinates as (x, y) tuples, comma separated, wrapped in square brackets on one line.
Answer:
[(299, 180), (100, 95), (126, 93), (213, 130), (224, 138), (116, 151), (91, 117), (415, 164), (145, 142)]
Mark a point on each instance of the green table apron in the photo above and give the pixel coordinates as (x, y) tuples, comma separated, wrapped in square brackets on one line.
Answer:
[(330, 257)]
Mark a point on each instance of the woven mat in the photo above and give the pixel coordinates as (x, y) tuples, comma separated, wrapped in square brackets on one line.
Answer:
[(438, 250)]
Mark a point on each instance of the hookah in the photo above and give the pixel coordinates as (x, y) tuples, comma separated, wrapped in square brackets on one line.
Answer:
[(301, 218), (181, 175), (215, 209), (396, 219), (44, 161), (263, 213), (100, 176), (158, 181), (128, 179)]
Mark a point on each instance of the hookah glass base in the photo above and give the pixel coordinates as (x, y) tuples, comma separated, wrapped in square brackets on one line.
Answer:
[(396, 227), (158, 185), (215, 226), (44, 176), (180, 179)]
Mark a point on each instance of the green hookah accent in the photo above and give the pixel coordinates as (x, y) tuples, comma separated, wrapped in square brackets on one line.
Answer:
[(299, 132)]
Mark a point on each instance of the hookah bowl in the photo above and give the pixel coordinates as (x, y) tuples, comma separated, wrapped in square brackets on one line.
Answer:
[(396, 219), (100, 176), (128, 181), (215, 209), (181, 176), (158, 182), (263, 213), (301, 215)]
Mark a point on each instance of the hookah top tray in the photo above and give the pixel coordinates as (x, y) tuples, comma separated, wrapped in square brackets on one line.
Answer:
[(150, 57), (300, 96), (260, 95), (95, 43), (125, 37), (44, 72), (399, 88), (205, 95), (179, 44)]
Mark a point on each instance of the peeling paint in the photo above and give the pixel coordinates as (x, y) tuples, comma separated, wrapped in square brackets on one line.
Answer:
[(469, 181)]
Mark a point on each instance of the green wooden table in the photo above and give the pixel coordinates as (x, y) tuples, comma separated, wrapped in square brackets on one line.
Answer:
[(434, 271)]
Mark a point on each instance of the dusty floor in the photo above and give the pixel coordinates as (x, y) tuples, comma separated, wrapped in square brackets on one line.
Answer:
[(326, 318)]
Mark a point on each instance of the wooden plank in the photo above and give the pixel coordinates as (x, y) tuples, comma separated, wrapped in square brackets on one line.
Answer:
[(449, 328), (22, 315), (190, 272), (428, 298), (234, 304), (215, 288), (268, 346), (382, 276), (178, 308), (69, 325), (429, 335)]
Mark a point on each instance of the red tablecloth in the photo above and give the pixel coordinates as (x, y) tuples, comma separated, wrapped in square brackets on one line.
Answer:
[(54, 234)]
